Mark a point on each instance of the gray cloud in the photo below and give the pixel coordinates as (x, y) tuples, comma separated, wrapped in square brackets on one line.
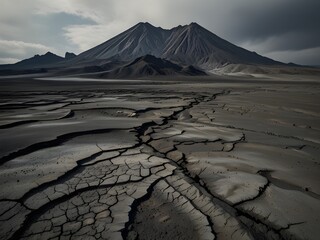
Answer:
[(292, 24), (14, 50), (308, 56), (287, 30), (261, 18)]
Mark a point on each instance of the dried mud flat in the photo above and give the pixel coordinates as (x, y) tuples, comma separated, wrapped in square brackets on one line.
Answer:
[(159, 160)]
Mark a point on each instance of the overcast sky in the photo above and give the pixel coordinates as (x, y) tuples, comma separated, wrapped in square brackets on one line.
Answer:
[(285, 30)]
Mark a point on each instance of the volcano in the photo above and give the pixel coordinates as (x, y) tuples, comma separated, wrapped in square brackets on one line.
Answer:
[(185, 45)]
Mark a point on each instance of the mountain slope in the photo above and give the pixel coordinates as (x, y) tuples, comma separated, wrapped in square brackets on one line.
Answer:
[(193, 44), (141, 39)]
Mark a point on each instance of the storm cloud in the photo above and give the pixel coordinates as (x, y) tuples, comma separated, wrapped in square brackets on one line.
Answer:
[(286, 30)]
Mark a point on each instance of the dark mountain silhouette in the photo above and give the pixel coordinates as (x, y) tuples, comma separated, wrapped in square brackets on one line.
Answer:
[(69, 55), (38, 61), (149, 65)]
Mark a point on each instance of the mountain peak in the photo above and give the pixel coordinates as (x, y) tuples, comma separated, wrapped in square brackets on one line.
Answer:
[(49, 53), (194, 24), (69, 55), (148, 57), (145, 24)]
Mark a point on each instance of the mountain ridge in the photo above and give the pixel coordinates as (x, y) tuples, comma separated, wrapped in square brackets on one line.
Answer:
[(39, 61), (149, 65)]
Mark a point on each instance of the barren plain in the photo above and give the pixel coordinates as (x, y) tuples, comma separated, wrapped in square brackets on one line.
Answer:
[(222, 158)]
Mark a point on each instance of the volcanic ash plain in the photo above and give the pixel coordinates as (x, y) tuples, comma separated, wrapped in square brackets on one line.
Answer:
[(159, 159)]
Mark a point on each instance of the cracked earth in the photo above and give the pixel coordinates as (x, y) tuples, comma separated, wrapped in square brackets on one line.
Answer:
[(160, 161)]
